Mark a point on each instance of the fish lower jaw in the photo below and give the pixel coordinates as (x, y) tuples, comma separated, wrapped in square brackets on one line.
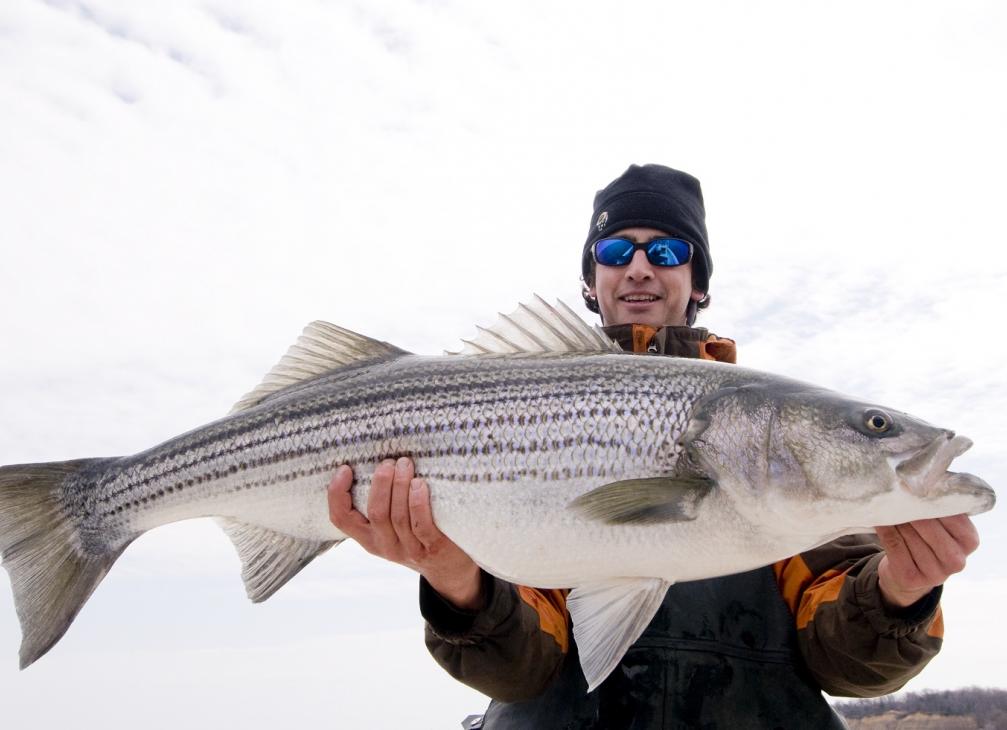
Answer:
[(967, 488), (969, 496)]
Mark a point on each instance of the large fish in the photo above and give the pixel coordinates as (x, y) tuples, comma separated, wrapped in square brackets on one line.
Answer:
[(553, 459)]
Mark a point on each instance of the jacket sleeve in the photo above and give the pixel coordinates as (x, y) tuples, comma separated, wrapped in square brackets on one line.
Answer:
[(852, 644), (510, 650)]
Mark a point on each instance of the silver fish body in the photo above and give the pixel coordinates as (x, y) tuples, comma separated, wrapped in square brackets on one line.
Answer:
[(608, 473), (501, 440)]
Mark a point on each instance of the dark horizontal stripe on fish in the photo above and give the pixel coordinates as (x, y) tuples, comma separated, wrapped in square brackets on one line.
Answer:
[(543, 475), (499, 448), (555, 474), (375, 396), (340, 417), (293, 431)]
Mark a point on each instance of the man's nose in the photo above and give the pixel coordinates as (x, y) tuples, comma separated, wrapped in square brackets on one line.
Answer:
[(639, 267)]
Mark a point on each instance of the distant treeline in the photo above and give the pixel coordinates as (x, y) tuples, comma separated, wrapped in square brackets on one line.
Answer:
[(987, 706)]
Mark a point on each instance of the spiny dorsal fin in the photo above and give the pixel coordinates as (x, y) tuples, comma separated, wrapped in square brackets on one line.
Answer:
[(537, 326), (320, 348), (269, 558)]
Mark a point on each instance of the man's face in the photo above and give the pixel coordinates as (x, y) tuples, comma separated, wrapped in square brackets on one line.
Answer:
[(640, 293)]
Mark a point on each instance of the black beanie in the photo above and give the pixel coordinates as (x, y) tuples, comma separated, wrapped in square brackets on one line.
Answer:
[(653, 196)]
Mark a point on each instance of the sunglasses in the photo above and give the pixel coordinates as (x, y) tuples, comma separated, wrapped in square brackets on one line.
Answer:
[(660, 251)]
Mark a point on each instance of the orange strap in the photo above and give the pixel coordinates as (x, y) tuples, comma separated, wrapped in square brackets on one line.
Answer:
[(720, 349), (550, 605), (642, 335), (936, 627), (804, 592)]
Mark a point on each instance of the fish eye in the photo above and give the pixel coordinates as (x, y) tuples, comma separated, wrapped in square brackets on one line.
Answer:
[(877, 421)]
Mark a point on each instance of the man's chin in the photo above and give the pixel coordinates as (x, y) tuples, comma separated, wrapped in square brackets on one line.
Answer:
[(652, 315)]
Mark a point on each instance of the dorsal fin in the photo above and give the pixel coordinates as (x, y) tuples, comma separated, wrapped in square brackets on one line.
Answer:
[(320, 348), (537, 326)]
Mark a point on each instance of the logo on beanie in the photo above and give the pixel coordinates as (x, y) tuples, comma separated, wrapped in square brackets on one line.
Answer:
[(602, 220)]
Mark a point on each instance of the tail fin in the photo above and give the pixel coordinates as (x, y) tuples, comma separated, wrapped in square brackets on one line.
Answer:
[(50, 573)]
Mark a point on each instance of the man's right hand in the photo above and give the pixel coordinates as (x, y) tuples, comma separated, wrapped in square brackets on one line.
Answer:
[(399, 526)]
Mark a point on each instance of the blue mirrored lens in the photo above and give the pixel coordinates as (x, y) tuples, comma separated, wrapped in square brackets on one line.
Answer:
[(660, 252), (668, 252), (614, 251)]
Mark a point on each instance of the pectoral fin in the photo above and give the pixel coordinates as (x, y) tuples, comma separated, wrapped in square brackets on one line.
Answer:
[(608, 617), (645, 501)]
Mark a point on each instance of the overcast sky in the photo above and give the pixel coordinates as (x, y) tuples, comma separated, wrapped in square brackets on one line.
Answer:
[(183, 185)]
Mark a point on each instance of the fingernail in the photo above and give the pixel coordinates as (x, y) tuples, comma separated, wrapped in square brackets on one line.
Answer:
[(415, 484), (401, 465)]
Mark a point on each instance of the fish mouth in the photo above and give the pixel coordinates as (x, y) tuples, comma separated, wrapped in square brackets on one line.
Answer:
[(923, 473)]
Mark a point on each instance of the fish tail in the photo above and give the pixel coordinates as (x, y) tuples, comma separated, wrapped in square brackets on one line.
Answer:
[(50, 573)]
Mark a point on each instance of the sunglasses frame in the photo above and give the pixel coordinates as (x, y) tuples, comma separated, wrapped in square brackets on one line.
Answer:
[(646, 250)]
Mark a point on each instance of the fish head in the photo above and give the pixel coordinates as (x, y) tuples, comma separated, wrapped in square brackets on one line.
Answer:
[(806, 453)]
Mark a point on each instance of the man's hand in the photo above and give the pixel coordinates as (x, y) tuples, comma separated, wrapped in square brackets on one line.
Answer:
[(921, 555), (399, 527)]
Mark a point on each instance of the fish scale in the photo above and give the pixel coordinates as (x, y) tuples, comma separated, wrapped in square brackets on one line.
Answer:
[(552, 460)]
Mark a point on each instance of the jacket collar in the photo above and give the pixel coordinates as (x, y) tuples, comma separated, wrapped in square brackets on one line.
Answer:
[(675, 340)]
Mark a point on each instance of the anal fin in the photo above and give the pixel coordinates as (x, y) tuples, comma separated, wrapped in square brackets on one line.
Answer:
[(608, 617), (269, 558)]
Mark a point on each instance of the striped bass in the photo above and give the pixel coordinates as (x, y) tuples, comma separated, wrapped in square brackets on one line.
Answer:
[(553, 459)]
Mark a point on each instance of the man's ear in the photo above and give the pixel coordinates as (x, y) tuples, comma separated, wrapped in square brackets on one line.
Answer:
[(697, 295), (592, 292)]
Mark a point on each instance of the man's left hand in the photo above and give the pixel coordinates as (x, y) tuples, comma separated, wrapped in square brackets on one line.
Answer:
[(921, 555)]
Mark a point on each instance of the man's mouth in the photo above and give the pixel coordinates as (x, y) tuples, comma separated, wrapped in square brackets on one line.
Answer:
[(639, 298)]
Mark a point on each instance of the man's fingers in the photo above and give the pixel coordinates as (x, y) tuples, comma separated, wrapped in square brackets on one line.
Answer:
[(948, 553), (379, 506), (399, 511), (341, 512), (903, 573), (927, 564), (421, 515), (399, 525), (380, 498), (961, 528), (895, 547), (922, 554)]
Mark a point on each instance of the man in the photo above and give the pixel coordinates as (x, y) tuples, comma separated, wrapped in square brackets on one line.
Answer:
[(747, 650)]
